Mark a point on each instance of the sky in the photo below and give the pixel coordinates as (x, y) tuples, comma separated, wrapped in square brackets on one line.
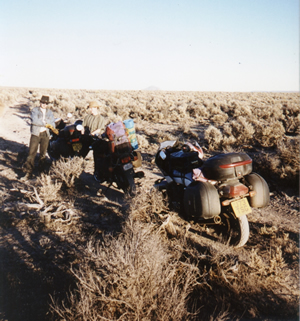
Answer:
[(184, 45)]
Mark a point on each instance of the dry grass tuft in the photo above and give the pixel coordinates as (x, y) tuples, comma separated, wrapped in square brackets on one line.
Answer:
[(147, 206), (142, 141), (288, 153), (49, 188), (269, 134), (283, 164), (131, 277), (67, 170), (213, 137)]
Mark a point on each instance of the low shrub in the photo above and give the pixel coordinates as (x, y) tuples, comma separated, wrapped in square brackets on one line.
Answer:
[(282, 164), (48, 188), (214, 137), (269, 134), (67, 170), (133, 276)]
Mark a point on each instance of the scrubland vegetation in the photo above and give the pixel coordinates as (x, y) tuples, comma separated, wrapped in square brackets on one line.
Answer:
[(110, 258), (266, 121)]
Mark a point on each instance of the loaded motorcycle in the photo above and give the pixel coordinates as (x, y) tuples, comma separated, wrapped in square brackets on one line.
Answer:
[(220, 190), (114, 151), (115, 158)]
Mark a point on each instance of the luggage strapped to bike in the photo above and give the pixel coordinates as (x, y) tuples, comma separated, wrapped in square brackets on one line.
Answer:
[(118, 139)]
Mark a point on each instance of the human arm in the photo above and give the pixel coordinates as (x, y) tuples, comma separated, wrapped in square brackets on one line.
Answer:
[(96, 132), (85, 127)]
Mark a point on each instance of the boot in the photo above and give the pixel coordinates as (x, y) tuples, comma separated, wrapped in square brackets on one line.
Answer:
[(26, 177), (42, 165)]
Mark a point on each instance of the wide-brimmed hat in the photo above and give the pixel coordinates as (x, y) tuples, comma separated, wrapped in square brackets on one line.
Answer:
[(94, 104), (45, 100)]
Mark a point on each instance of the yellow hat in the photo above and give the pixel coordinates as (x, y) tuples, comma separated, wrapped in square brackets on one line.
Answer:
[(94, 104)]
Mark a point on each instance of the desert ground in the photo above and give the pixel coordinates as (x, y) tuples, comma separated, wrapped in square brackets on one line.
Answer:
[(71, 249)]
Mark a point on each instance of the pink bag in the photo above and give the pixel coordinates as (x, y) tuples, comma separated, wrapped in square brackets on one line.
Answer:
[(117, 135)]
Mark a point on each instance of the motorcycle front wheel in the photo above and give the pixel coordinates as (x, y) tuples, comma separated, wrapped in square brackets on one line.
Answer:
[(236, 229), (53, 151)]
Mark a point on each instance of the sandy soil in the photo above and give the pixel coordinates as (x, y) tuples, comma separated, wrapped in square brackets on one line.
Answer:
[(15, 123), (33, 260)]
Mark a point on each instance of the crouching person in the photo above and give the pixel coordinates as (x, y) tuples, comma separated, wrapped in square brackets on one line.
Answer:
[(40, 117)]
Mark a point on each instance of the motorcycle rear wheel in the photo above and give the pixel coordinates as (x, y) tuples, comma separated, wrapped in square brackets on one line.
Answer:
[(131, 188), (236, 229), (125, 181)]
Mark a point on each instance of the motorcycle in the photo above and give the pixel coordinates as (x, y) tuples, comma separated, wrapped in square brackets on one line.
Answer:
[(220, 191), (116, 164), (67, 140)]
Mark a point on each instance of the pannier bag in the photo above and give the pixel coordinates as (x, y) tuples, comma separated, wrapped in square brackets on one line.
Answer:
[(201, 200), (130, 130), (117, 136), (260, 186), (227, 166)]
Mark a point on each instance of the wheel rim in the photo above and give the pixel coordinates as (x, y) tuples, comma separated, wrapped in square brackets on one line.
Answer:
[(233, 231)]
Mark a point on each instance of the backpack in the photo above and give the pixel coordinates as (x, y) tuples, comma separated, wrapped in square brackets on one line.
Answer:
[(118, 138)]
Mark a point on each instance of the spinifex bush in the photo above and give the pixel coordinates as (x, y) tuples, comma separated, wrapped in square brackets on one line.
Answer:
[(130, 277), (247, 287), (282, 164), (67, 170), (214, 137), (269, 134), (197, 112), (289, 155), (242, 109), (147, 206), (292, 122), (219, 119), (240, 129), (48, 188)]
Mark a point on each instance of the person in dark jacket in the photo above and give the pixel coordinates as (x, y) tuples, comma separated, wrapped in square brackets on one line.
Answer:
[(41, 116)]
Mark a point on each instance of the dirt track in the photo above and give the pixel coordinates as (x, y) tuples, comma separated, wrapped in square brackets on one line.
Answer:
[(15, 123)]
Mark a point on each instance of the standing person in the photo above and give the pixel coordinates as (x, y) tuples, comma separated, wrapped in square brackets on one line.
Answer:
[(40, 117), (95, 124)]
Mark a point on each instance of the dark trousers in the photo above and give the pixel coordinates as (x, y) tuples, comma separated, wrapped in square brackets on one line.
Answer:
[(41, 141), (101, 157)]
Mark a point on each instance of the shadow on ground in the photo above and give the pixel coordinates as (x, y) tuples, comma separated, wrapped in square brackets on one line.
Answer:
[(30, 271)]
